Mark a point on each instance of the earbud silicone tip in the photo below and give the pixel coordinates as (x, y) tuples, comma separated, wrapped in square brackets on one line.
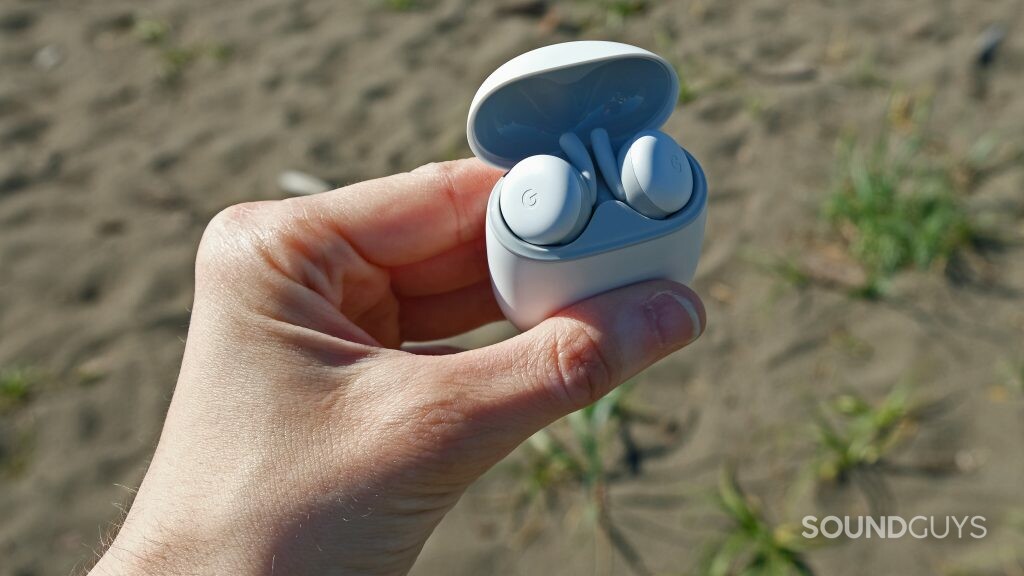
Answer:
[(656, 174), (544, 201)]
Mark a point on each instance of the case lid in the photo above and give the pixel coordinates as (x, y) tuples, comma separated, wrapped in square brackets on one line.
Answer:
[(524, 106)]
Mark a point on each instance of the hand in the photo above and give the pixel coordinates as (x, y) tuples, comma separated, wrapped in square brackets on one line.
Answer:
[(300, 440)]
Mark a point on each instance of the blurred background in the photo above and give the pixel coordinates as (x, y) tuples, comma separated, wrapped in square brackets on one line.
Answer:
[(863, 268)]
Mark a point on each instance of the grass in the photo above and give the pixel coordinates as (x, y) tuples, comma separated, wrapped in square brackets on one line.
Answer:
[(687, 92), (580, 462), (1014, 376), (152, 31), (15, 387), (614, 13), (176, 58), (867, 73), (752, 546), (852, 434), (16, 447), (788, 271), (401, 5), (617, 11), (664, 40), (895, 206), (1006, 558)]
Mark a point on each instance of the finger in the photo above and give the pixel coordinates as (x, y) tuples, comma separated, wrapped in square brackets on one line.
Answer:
[(457, 268), (410, 217), (443, 315), (569, 361), (432, 349)]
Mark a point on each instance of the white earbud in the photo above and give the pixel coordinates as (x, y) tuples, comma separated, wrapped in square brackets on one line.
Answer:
[(655, 174), (605, 156), (579, 157), (651, 173), (544, 200)]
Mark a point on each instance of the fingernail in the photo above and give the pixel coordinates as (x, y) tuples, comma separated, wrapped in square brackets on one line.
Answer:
[(674, 317)]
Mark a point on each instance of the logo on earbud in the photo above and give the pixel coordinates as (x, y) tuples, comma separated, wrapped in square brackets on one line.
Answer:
[(530, 198), (677, 163)]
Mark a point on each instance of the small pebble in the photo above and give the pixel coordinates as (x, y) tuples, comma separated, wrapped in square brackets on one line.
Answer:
[(48, 57), (988, 45), (301, 184), (791, 72), (527, 8)]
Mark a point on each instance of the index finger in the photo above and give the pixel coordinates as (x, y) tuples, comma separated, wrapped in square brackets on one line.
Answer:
[(409, 217)]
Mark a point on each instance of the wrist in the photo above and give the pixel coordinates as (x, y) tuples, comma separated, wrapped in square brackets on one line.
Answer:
[(150, 551), (306, 543)]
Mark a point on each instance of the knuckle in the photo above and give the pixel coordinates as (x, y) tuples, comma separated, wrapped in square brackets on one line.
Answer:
[(441, 427), (442, 419), (578, 370), (434, 168), (237, 217), (228, 234)]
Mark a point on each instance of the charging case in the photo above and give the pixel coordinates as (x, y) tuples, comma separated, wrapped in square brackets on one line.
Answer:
[(521, 110)]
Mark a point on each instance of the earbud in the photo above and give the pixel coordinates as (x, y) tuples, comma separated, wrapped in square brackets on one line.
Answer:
[(651, 172), (655, 174), (579, 157), (545, 200), (602, 146)]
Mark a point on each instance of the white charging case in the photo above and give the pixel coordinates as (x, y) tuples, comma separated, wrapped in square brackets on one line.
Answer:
[(521, 110)]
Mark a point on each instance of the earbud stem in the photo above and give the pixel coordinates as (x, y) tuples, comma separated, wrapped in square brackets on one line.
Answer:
[(605, 156), (577, 153)]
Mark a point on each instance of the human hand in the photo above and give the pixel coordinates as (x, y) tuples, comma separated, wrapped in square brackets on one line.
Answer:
[(300, 440)]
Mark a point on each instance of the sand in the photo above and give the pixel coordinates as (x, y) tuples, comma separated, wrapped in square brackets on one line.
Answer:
[(114, 154)]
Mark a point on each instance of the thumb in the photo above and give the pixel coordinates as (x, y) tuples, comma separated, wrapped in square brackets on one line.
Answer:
[(572, 359)]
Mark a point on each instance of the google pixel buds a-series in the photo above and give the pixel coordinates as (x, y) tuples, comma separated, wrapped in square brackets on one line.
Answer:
[(546, 200), (557, 229), (655, 175), (650, 172)]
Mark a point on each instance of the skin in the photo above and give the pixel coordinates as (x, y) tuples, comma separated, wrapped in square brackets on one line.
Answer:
[(301, 439)]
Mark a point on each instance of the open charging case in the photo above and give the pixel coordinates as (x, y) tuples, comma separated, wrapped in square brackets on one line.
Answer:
[(521, 110)]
